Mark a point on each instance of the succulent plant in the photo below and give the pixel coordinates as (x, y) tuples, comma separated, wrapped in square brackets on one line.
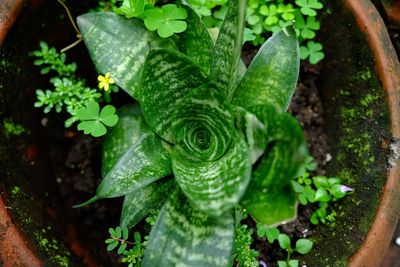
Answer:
[(204, 136)]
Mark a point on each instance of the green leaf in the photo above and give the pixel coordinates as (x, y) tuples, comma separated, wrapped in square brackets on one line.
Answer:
[(110, 240), (118, 232), (303, 246), (282, 264), (167, 77), (308, 6), (112, 246), (228, 48), (107, 116), (131, 8), (294, 263), (272, 234), (138, 204), (273, 73), (310, 193), (137, 238), (130, 127), (167, 20), (122, 248), (321, 182), (119, 46), (186, 236), (146, 161), (196, 42), (112, 232), (270, 198), (125, 233), (322, 195), (91, 112), (284, 241), (254, 130)]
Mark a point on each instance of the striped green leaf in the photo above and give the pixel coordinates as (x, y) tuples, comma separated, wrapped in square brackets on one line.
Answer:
[(185, 236), (167, 77), (203, 124), (228, 48), (138, 204), (131, 125), (196, 42), (119, 46), (270, 198), (254, 131), (146, 161), (214, 186), (273, 73)]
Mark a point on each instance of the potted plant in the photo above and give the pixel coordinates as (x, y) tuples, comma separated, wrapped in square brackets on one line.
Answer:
[(359, 157)]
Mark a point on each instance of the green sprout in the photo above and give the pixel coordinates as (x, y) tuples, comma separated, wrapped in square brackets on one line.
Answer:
[(302, 246), (94, 121), (319, 189)]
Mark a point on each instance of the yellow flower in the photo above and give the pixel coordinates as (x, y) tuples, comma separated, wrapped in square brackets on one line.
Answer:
[(105, 81)]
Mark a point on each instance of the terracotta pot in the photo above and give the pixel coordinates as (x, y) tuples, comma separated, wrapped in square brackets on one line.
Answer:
[(360, 89)]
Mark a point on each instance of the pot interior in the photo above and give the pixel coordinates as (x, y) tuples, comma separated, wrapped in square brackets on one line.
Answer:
[(356, 122)]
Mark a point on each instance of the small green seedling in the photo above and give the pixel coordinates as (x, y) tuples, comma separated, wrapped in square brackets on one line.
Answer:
[(133, 257), (271, 233), (94, 121), (303, 246), (319, 189), (118, 236)]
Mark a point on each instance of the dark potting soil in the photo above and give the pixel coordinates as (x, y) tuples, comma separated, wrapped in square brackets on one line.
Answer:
[(76, 160)]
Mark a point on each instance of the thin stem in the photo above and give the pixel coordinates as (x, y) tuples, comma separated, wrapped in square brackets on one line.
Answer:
[(72, 45), (288, 255), (70, 17), (123, 240)]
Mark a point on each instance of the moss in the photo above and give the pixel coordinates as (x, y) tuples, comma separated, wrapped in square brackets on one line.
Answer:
[(43, 237), (10, 128), (355, 119), (50, 246), (15, 190)]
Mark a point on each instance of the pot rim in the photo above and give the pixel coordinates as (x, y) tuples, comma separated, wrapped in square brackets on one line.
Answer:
[(377, 240), (387, 65)]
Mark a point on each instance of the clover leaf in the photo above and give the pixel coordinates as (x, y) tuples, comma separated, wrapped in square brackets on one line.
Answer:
[(94, 121), (167, 20), (308, 7), (313, 51), (306, 28)]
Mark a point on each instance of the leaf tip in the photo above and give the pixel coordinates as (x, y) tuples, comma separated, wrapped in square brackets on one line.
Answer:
[(90, 201)]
